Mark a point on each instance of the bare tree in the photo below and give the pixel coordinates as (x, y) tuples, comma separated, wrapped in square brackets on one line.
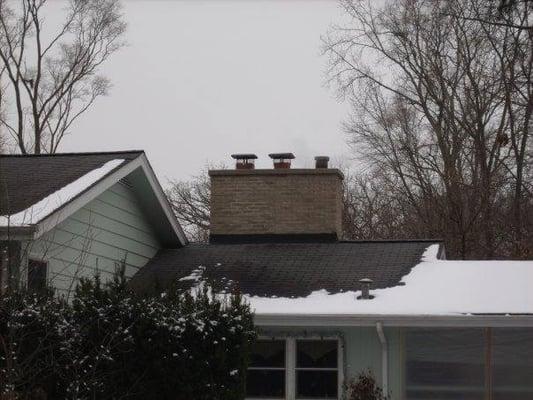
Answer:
[(438, 99), (506, 13), (190, 201), (373, 211), (50, 76)]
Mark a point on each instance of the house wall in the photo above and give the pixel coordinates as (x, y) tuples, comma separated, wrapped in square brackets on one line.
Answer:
[(109, 230), (362, 351)]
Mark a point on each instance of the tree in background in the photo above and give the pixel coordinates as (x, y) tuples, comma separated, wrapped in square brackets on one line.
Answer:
[(49, 75), (442, 109), (504, 12), (190, 201)]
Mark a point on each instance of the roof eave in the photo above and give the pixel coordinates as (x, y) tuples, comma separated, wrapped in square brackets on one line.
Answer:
[(391, 320)]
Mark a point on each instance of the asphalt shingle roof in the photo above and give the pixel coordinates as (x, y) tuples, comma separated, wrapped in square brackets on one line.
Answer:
[(27, 179), (285, 269)]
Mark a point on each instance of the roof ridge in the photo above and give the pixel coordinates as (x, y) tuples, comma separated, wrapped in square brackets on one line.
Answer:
[(89, 153)]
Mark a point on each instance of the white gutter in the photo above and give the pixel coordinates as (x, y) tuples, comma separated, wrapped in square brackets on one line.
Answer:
[(384, 358), (391, 320)]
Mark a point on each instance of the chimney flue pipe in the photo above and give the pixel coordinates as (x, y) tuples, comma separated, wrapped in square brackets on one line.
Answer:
[(282, 160), (244, 161), (321, 162)]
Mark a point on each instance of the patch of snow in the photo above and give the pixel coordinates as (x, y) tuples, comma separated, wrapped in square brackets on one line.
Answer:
[(195, 275), (433, 287), (49, 204), (431, 253)]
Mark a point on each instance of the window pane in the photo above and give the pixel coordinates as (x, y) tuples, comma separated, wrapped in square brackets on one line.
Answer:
[(36, 275), (268, 353), (445, 364), (316, 354), (512, 365), (265, 383), (316, 384)]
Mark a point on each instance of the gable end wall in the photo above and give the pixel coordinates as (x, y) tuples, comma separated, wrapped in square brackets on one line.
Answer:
[(109, 230)]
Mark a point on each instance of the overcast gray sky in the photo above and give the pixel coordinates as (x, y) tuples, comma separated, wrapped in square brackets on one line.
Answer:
[(203, 79)]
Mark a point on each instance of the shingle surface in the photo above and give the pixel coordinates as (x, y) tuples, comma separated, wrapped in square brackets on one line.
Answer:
[(285, 269), (24, 180)]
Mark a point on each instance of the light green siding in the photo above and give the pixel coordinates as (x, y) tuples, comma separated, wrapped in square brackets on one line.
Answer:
[(362, 351), (109, 230)]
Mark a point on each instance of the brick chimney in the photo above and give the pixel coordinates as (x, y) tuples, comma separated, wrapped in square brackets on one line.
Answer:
[(278, 202)]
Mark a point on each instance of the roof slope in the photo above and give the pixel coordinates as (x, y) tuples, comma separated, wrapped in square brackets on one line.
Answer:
[(285, 269), (27, 179), (432, 288)]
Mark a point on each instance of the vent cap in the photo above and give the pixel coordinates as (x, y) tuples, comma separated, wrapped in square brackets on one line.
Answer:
[(244, 160), (366, 283), (282, 160)]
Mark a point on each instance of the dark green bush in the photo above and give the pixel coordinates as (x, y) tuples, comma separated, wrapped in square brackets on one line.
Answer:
[(364, 387), (110, 343)]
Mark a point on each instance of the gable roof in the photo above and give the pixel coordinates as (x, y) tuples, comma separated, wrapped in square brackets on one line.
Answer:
[(27, 179), (284, 269), (37, 192)]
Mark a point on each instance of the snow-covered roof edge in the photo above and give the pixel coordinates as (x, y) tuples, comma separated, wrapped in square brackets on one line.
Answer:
[(104, 177), (53, 202), (434, 289)]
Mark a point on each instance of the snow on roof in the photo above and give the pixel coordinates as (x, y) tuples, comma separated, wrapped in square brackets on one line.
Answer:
[(433, 287), (49, 204)]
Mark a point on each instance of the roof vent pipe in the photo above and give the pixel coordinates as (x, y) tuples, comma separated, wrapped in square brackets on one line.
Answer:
[(321, 162), (366, 283), (282, 160), (244, 161)]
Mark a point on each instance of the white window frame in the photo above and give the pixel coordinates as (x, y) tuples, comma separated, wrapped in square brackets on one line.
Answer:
[(290, 364)]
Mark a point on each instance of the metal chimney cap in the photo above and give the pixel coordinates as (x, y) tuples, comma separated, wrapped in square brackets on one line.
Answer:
[(244, 156), (321, 158), (366, 280), (282, 156)]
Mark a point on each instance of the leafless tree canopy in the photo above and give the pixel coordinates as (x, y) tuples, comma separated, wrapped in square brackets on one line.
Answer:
[(49, 75), (190, 201), (504, 12), (442, 108)]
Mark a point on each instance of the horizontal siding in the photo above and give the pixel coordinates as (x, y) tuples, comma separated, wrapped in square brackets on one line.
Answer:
[(97, 238)]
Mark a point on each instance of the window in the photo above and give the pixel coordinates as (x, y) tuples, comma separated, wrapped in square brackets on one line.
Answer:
[(445, 364), (316, 369), (294, 369), (37, 275), (512, 363), (469, 364), (266, 373)]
